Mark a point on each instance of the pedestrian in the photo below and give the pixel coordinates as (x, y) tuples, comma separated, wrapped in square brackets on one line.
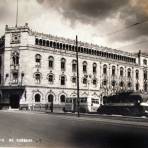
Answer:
[(51, 107)]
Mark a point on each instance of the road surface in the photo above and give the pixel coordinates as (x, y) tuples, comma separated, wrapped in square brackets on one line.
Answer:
[(59, 131)]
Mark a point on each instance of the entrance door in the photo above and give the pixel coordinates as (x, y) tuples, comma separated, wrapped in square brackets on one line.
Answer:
[(14, 101)]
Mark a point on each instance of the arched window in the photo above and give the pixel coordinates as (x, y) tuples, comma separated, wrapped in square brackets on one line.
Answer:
[(66, 46), (47, 43), (50, 98), (105, 69), (63, 64), (81, 50), (15, 77), (37, 78), (129, 84), (0, 79), (73, 48), (58, 46), (94, 68), (15, 58), (129, 73), (137, 86), (121, 71), (113, 70), (40, 42), (0, 61), (51, 44), (145, 75), (50, 78), (62, 80), (70, 48), (113, 83), (94, 81), (54, 44), (62, 98), (85, 66), (38, 59), (51, 61), (84, 80), (137, 74), (104, 82), (61, 45), (44, 42), (145, 62), (74, 66), (145, 87), (121, 84), (36, 41), (74, 80), (37, 97)]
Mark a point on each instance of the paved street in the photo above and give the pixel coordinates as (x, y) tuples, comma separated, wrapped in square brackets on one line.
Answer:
[(51, 130)]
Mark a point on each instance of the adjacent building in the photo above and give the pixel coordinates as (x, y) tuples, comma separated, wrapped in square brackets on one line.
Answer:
[(37, 69)]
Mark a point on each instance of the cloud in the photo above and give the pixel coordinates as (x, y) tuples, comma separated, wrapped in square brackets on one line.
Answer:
[(127, 13), (86, 11)]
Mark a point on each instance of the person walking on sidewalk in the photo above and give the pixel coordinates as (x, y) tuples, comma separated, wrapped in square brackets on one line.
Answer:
[(51, 106)]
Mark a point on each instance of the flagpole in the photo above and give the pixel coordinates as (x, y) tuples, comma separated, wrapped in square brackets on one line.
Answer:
[(16, 13)]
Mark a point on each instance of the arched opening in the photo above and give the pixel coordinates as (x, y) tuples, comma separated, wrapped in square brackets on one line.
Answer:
[(62, 98), (37, 97), (50, 98)]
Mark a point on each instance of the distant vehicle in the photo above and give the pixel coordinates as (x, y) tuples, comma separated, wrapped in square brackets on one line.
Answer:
[(125, 103), (86, 105)]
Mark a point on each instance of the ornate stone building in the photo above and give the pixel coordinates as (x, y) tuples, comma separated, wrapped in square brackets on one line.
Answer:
[(37, 68)]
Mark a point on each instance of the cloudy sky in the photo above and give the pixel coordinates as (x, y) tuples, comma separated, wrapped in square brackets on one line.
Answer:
[(119, 24)]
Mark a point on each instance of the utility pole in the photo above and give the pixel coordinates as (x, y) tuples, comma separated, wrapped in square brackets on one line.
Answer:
[(78, 97)]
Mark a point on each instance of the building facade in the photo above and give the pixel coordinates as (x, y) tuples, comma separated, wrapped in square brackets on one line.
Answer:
[(37, 69)]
